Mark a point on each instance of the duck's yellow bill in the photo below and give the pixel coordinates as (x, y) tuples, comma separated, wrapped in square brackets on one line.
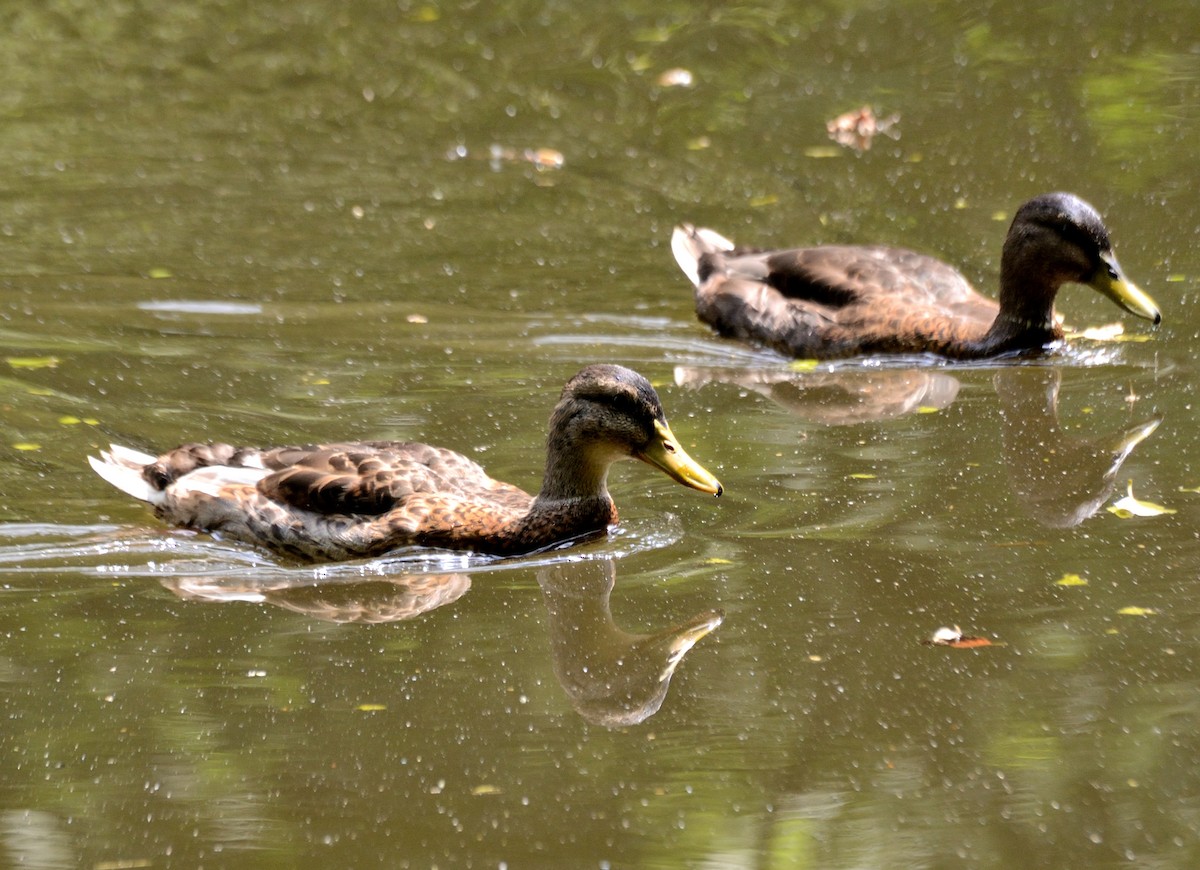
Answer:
[(1111, 281), (665, 453)]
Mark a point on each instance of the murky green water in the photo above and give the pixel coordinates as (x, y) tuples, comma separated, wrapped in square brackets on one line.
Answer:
[(302, 221)]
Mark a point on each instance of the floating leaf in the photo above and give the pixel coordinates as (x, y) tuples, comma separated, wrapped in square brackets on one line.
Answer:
[(1107, 332), (822, 152), (1137, 611), (676, 78), (954, 638), (764, 200), (717, 560), (1189, 489), (803, 365), (1071, 580), (26, 446), (159, 272), (855, 129), (32, 362), (927, 409), (863, 476), (1134, 507), (486, 789), (371, 708)]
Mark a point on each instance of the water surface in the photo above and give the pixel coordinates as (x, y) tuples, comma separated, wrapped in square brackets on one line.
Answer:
[(287, 222)]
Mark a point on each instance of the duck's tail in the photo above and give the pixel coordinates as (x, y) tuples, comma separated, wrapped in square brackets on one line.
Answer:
[(122, 467), (689, 244)]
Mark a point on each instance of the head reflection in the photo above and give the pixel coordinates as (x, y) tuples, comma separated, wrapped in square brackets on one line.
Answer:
[(612, 678), (1062, 479)]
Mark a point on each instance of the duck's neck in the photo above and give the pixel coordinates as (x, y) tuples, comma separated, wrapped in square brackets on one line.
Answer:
[(1026, 317), (573, 501)]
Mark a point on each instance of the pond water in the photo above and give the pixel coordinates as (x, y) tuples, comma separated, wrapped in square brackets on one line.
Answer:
[(282, 222)]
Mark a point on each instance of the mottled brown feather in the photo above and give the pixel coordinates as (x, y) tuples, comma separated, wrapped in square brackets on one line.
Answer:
[(337, 501)]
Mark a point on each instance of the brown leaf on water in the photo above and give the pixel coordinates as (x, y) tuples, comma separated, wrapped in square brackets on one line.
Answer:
[(856, 129), (954, 638), (676, 78)]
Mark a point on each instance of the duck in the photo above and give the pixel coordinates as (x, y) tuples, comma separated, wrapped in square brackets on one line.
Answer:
[(332, 502), (839, 301)]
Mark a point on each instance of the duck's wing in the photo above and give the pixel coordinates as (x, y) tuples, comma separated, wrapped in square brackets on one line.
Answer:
[(836, 277), (373, 478)]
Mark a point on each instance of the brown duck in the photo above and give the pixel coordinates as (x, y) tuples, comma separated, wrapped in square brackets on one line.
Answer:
[(838, 301), (341, 501)]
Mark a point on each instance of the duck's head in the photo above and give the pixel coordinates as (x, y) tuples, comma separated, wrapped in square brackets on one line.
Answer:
[(1057, 238), (609, 412)]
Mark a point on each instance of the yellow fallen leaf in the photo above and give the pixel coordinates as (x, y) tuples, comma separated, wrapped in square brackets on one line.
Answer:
[(803, 365), (372, 708), (32, 362), (1137, 611), (863, 476), (1071, 580), (159, 272), (1107, 332), (27, 446), (927, 409), (765, 199), (717, 560), (821, 152), (486, 789), (1134, 507)]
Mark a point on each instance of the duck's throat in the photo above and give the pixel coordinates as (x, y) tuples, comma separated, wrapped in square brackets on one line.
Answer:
[(553, 520)]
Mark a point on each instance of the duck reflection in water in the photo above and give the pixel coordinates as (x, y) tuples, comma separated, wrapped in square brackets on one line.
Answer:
[(365, 602), (835, 398), (611, 677), (1062, 479)]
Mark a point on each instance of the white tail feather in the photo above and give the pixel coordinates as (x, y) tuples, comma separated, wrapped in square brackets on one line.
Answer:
[(130, 457), (122, 467), (689, 243), (126, 478)]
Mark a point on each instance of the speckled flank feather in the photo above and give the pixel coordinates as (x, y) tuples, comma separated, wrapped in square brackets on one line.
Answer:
[(339, 501), (840, 301)]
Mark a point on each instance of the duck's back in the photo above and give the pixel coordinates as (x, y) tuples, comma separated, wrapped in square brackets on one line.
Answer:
[(837, 301), (332, 501)]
